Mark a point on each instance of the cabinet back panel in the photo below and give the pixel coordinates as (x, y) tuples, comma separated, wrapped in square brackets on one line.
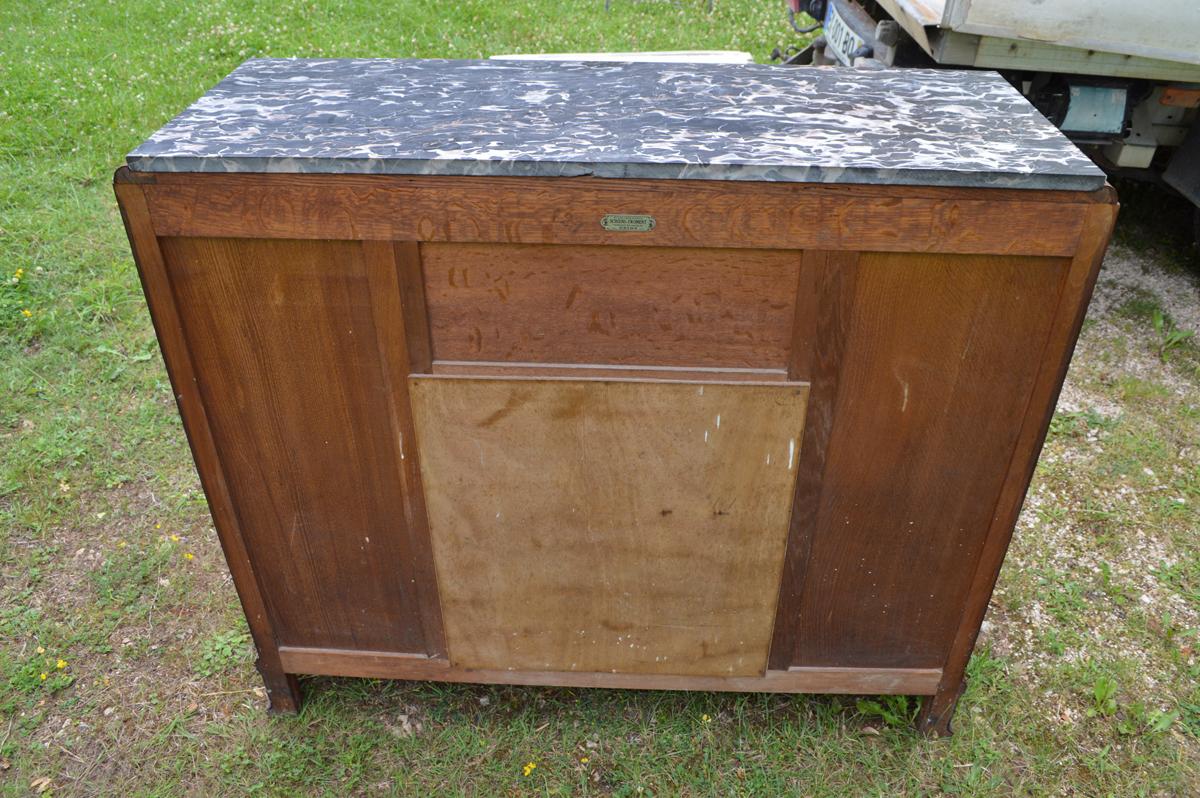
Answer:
[(654, 306), (284, 345), (939, 362), (611, 526)]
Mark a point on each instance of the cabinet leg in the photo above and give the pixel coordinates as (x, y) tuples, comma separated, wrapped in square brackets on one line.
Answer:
[(283, 690), (937, 710)]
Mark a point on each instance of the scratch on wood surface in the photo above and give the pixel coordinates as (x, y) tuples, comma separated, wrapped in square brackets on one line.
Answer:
[(904, 386)]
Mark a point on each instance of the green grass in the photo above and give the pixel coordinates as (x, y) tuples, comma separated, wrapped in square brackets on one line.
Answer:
[(100, 506)]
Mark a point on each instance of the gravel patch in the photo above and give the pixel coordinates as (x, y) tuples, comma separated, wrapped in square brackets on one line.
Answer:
[(1125, 271)]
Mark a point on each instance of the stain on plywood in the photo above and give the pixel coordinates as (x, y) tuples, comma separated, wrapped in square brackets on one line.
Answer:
[(616, 526)]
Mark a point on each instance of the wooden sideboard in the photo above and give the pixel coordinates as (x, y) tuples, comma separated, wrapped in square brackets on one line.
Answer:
[(751, 435)]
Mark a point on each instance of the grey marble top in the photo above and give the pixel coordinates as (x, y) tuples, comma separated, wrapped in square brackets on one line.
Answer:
[(707, 122)]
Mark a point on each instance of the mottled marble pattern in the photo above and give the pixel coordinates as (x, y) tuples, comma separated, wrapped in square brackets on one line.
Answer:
[(710, 122)]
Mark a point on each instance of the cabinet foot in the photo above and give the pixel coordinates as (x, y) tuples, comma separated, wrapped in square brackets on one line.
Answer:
[(937, 711), (283, 690)]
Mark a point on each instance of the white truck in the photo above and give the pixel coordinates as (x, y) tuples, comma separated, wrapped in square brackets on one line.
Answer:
[(1121, 79)]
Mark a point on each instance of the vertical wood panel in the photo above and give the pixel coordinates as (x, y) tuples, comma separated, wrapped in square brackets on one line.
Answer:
[(287, 361), (393, 308), (824, 304), (1076, 292), (940, 360), (282, 689), (416, 314)]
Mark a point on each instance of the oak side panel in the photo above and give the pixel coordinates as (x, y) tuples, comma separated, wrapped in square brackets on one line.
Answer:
[(592, 525), (282, 688), (940, 357), (287, 361), (1074, 297), (688, 213), (658, 306)]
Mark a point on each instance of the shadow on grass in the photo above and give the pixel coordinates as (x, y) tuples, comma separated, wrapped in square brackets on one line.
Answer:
[(610, 741), (1159, 223)]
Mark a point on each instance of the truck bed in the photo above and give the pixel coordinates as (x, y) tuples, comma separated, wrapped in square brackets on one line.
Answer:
[(1157, 40)]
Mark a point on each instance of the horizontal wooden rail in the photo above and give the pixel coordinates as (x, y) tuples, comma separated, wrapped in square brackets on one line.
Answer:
[(687, 213), (388, 665), (466, 368)]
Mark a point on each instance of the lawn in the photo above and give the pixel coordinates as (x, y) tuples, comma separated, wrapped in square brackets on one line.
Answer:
[(125, 665)]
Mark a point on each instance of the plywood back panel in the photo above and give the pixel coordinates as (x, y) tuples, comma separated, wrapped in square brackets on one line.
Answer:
[(658, 306), (616, 526)]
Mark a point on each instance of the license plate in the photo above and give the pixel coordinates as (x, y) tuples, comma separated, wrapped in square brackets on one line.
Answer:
[(841, 40)]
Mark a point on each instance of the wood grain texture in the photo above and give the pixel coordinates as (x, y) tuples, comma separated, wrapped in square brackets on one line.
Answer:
[(941, 355), (286, 352), (283, 691), (624, 527), (415, 306), (393, 304), (617, 305), (825, 302), (688, 213), (386, 665), (1075, 293)]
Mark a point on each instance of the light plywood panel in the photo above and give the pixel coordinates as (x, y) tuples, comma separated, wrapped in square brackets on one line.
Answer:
[(614, 526)]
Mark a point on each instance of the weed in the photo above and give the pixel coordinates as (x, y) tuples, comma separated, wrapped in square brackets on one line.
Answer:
[(1117, 590), (1183, 578), (1159, 721), (894, 710), (1104, 697), (1189, 715), (1140, 306), (1076, 424), (37, 672), (222, 651), (1169, 336)]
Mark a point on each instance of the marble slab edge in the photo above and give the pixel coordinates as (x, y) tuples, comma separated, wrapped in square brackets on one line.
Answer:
[(648, 171)]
